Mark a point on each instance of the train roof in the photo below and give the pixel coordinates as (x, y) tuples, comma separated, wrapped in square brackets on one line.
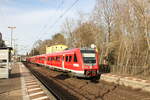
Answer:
[(65, 51)]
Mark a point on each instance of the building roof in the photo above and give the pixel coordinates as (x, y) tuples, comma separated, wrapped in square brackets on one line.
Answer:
[(10, 48)]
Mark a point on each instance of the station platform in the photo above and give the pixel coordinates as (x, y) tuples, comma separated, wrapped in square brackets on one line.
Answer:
[(10, 89), (133, 82), (22, 85)]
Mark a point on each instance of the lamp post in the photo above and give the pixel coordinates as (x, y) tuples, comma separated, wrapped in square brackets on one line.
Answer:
[(11, 28)]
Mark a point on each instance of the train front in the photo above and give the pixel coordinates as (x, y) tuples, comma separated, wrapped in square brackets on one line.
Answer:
[(90, 62)]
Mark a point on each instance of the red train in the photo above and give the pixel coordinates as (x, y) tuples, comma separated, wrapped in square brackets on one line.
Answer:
[(81, 62)]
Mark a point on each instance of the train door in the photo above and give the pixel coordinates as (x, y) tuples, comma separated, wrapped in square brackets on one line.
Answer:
[(63, 58), (48, 60), (58, 60), (76, 65), (68, 61), (45, 60)]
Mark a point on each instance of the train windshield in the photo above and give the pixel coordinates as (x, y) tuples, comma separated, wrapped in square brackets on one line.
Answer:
[(89, 57)]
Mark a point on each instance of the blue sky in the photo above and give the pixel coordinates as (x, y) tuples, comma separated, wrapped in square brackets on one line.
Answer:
[(33, 18)]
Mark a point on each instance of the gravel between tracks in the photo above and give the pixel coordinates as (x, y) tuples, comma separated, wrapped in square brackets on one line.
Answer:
[(85, 89)]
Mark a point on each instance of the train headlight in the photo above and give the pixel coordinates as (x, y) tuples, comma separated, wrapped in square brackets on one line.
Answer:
[(90, 67), (76, 65)]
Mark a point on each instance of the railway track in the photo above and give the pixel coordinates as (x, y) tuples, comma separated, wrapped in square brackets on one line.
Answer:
[(66, 88), (53, 86)]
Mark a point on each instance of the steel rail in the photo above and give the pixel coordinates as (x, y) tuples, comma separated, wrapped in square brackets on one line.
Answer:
[(58, 92)]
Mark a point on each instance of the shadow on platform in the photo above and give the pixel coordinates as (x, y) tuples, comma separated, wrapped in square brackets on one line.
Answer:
[(15, 75)]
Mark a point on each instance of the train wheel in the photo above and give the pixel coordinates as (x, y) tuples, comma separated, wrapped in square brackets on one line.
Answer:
[(96, 78), (70, 74)]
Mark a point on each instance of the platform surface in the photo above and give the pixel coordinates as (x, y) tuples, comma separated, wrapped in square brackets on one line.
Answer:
[(10, 89), (19, 84)]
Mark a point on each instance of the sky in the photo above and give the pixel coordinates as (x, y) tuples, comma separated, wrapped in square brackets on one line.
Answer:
[(34, 19)]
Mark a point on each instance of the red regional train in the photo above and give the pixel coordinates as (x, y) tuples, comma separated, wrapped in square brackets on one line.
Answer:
[(81, 62)]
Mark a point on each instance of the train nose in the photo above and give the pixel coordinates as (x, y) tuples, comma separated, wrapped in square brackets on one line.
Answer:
[(91, 72)]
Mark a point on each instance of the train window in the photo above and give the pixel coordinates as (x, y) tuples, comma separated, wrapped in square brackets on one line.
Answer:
[(75, 58), (70, 57), (88, 51), (89, 57), (49, 58), (52, 58), (40, 58), (66, 58), (57, 58)]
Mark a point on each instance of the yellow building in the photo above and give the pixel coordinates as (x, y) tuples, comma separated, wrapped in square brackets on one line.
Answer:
[(55, 48)]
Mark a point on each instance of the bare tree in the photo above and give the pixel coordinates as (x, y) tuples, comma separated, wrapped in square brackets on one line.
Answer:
[(67, 30), (126, 30)]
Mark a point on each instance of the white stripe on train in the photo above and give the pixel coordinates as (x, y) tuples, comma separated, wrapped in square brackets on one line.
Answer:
[(79, 72)]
